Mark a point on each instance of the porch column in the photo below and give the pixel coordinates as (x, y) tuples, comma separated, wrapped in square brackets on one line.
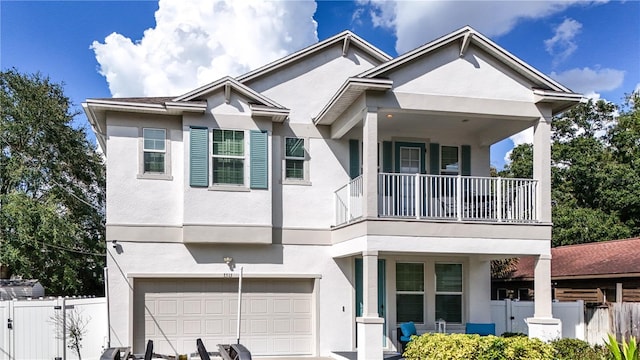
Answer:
[(542, 325), (479, 296), (370, 324), (370, 163), (542, 165)]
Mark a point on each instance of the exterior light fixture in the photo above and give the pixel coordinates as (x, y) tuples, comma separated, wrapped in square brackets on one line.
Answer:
[(227, 259), (389, 116)]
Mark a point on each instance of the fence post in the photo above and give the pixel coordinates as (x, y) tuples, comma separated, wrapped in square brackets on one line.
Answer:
[(509, 315)]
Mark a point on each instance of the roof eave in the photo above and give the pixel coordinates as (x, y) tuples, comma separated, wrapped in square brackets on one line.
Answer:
[(278, 115), (354, 85), (560, 101), (350, 36)]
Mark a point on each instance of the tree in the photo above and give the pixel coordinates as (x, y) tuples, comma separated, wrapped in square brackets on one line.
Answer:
[(52, 186), (595, 172)]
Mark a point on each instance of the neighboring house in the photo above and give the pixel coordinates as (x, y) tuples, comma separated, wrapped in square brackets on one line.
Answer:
[(16, 289), (606, 271), (352, 188)]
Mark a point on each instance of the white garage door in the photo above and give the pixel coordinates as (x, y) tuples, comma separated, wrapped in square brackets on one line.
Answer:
[(277, 315)]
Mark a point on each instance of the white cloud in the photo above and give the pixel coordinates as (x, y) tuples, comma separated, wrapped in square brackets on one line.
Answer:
[(590, 82), (195, 42), (523, 137), (416, 22), (562, 44)]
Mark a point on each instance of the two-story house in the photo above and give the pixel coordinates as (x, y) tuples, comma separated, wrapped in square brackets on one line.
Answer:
[(352, 188)]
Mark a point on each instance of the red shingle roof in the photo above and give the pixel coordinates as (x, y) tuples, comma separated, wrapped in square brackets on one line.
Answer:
[(616, 257)]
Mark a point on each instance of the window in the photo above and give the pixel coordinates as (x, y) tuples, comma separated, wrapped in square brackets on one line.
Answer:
[(294, 159), (154, 151), (410, 292), (449, 292), (228, 157), (501, 294), (450, 161)]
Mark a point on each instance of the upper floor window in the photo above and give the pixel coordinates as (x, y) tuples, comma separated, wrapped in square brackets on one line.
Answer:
[(449, 160), (294, 158), (154, 149), (228, 157)]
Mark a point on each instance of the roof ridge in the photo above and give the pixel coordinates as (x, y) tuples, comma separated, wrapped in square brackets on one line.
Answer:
[(595, 243)]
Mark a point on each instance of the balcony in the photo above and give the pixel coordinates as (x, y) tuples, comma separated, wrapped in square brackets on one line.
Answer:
[(442, 198)]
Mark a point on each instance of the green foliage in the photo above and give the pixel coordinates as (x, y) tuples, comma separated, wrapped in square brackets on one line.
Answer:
[(52, 184), (624, 351), (475, 347), (571, 349), (595, 173)]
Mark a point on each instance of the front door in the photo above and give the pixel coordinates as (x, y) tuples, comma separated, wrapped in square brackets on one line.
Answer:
[(382, 301)]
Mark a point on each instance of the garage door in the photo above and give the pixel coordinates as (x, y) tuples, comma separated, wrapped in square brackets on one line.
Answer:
[(277, 315)]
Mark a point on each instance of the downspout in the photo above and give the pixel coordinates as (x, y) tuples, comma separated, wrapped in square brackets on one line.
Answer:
[(106, 295)]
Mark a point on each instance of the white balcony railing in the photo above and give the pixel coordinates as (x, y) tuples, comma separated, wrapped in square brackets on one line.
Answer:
[(443, 197), (348, 201)]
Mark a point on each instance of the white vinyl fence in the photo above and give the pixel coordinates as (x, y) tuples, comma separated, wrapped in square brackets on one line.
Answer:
[(509, 316), (35, 329)]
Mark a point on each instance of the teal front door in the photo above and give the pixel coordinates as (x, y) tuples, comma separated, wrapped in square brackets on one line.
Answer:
[(381, 295)]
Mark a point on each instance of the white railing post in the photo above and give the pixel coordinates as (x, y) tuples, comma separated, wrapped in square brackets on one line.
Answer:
[(348, 201), (499, 200), (416, 196), (459, 197)]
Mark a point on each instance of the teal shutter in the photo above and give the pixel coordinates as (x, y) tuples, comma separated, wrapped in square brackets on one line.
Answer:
[(466, 160), (386, 157), (259, 168), (434, 159), (199, 157), (354, 158)]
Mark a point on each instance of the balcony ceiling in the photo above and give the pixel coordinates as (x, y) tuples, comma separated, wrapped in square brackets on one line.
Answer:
[(488, 130)]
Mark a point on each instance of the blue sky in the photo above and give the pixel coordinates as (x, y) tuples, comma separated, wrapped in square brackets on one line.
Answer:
[(104, 48)]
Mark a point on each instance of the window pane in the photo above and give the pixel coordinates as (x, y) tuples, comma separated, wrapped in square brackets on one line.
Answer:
[(228, 171), (410, 308), (449, 158), (154, 162), (294, 148), (449, 277), (449, 308), (409, 277), (153, 139), (228, 142), (295, 169)]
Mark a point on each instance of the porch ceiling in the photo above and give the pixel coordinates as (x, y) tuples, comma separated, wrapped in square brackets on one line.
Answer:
[(487, 130)]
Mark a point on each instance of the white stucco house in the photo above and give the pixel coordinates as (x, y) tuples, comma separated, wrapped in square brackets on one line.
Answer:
[(352, 188)]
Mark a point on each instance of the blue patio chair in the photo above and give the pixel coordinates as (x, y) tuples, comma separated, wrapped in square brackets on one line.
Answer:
[(407, 329), (482, 329)]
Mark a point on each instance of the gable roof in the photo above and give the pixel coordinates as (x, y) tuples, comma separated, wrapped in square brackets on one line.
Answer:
[(228, 83), (347, 37), (615, 258), (466, 36)]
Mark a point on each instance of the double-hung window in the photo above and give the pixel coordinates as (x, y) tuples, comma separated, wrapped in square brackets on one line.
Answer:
[(228, 157), (410, 292), (294, 159), (449, 292), (450, 160), (154, 151)]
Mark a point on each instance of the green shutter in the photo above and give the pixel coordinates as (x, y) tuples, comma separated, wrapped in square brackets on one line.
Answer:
[(386, 157), (354, 158), (258, 160), (199, 157), (466, 160), (434, 159)]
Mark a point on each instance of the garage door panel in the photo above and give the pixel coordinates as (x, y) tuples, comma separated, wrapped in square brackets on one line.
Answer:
[(277, 315)]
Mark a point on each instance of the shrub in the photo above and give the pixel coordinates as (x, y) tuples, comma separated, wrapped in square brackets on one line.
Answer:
[(475, 347), (624, 351), (570, 349), (513, 334)]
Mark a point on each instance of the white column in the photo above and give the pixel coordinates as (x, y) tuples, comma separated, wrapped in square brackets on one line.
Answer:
[(542, 166), (542, 325), (370, 162), (370, 324), (479, 293)]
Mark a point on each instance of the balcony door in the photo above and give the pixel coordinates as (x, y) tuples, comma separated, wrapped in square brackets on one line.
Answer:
[(410, 161)]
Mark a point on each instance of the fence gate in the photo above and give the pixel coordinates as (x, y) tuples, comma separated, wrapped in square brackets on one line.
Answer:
[(5, 325)]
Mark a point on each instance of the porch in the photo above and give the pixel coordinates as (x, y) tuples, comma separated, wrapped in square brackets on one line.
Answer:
[(442, 197)]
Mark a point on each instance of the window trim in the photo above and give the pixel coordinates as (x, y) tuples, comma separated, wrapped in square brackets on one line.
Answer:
[(461, 292), (410, 292), (166, 175), (223, 186), (305, 164)]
